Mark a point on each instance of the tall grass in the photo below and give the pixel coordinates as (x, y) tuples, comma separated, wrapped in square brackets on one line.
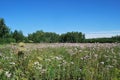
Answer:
[(70, 63)]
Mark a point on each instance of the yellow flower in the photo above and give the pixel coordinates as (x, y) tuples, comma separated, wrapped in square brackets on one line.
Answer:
[(39, 58), (21, 44)]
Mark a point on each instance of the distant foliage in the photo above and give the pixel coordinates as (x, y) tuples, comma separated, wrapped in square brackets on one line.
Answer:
[(40, 36), (4, 30), (104, 40), (72, 37), (18, 36), (7, 36), (6, 40), (49, 37)]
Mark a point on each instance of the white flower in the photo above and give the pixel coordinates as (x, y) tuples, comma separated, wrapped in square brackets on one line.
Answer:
[(72, 62), (80, 50), (75, 49), (81, 58), (80, 69), (8, 74), (64, 62), (43, 70), (58, 58), (79, 78), (102, 62), (110, 66), (12, 63), (37, 65), (95, 55), (48, 60)]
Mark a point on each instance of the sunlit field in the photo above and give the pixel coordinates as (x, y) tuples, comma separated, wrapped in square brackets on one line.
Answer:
[(60, 61)]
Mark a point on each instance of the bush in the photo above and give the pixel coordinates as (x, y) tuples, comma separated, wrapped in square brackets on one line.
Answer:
[(7, 40)]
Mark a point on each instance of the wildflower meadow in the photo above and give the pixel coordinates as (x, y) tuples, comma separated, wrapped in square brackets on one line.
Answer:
[(60, 61)]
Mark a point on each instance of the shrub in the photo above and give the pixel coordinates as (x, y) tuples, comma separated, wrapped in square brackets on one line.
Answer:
[(7, 40)]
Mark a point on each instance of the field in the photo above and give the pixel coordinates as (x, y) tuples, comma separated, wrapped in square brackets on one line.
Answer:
[(60, 61)]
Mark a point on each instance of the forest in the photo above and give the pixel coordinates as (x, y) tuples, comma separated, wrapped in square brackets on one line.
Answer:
[(8, 36)]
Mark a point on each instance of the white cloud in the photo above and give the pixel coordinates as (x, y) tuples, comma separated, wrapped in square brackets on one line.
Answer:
[(102, 34)]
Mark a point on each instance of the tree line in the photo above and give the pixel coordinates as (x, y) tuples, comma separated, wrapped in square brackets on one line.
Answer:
[(114, 39), (8, 36), (50, 37)]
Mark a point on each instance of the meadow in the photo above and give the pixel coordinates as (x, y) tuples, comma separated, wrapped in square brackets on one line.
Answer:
[(60, 61)]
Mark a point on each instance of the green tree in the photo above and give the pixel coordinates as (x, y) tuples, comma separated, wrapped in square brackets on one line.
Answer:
[(4, 30), (18, 36), (40, 36), (72, 37), (51, 37)]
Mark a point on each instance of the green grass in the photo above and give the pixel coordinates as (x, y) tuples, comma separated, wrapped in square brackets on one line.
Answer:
[(70, 63)]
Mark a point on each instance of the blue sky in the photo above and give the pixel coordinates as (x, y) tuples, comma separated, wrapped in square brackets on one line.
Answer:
[(95, 18)]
